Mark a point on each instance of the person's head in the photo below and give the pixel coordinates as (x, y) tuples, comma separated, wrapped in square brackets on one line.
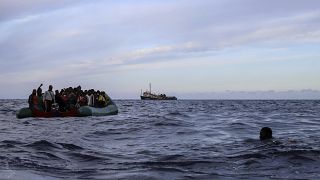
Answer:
[(34, 92), (39, 92), (50, 87), (265, 133), (57, 92)]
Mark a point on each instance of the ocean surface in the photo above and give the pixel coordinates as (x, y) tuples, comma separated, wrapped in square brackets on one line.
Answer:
[(184, 139)]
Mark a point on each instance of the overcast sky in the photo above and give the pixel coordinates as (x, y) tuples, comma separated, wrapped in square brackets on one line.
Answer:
[(183, 47)]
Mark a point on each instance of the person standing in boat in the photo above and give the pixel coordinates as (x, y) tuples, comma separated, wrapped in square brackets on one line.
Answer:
[(72, 99), (33, 99), (39, 90), (96, 99), (88, 93), (58, 99), (91, 101), (48, 99)]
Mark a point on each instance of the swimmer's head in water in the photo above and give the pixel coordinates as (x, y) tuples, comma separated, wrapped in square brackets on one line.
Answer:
[(265, 133)]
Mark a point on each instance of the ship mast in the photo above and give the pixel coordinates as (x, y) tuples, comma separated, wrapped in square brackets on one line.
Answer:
[(150, 87)]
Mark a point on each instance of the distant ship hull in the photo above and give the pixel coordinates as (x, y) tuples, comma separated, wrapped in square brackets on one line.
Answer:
[(158, 98)]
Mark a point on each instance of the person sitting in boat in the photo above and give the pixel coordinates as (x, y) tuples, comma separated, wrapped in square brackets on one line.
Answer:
[(48, 99), (100, 100), (65, 99), (82, 100), (107, 98)]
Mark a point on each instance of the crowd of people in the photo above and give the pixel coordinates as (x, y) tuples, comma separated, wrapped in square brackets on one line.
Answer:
[(67, 99)]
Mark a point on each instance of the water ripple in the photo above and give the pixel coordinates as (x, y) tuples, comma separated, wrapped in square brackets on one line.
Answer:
[(185, 139)]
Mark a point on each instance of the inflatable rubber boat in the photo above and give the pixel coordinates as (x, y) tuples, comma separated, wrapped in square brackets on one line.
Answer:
[(83, 111)]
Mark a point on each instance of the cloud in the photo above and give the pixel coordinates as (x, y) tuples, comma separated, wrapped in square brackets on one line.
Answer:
[(299, 28), (16, 9), (148, 27), (151, 55), (50, 39)]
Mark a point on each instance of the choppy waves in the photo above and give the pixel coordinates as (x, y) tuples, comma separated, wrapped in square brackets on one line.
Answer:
[(165, 140)]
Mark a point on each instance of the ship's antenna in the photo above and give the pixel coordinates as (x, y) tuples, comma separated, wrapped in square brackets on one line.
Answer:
[(150, 87), (141, 93)]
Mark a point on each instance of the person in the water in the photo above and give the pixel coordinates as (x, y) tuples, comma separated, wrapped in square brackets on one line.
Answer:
[(265, 133)]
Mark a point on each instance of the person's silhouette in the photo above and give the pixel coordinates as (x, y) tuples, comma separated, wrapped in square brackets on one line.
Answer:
[(265, 133)]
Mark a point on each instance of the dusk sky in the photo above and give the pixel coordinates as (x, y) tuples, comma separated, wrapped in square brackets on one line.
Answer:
[(186, 48)]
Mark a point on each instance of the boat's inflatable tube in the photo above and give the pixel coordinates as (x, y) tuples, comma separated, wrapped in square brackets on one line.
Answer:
[(92, 111), (24, 113), (111, 109)]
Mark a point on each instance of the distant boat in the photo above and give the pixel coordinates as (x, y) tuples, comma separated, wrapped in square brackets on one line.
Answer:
[(147, 95)]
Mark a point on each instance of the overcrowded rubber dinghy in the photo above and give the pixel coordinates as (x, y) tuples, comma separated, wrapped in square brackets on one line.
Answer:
[(69, 102), (111, 109)]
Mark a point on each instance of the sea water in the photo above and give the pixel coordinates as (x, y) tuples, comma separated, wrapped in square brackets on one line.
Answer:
[(184, 139)]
